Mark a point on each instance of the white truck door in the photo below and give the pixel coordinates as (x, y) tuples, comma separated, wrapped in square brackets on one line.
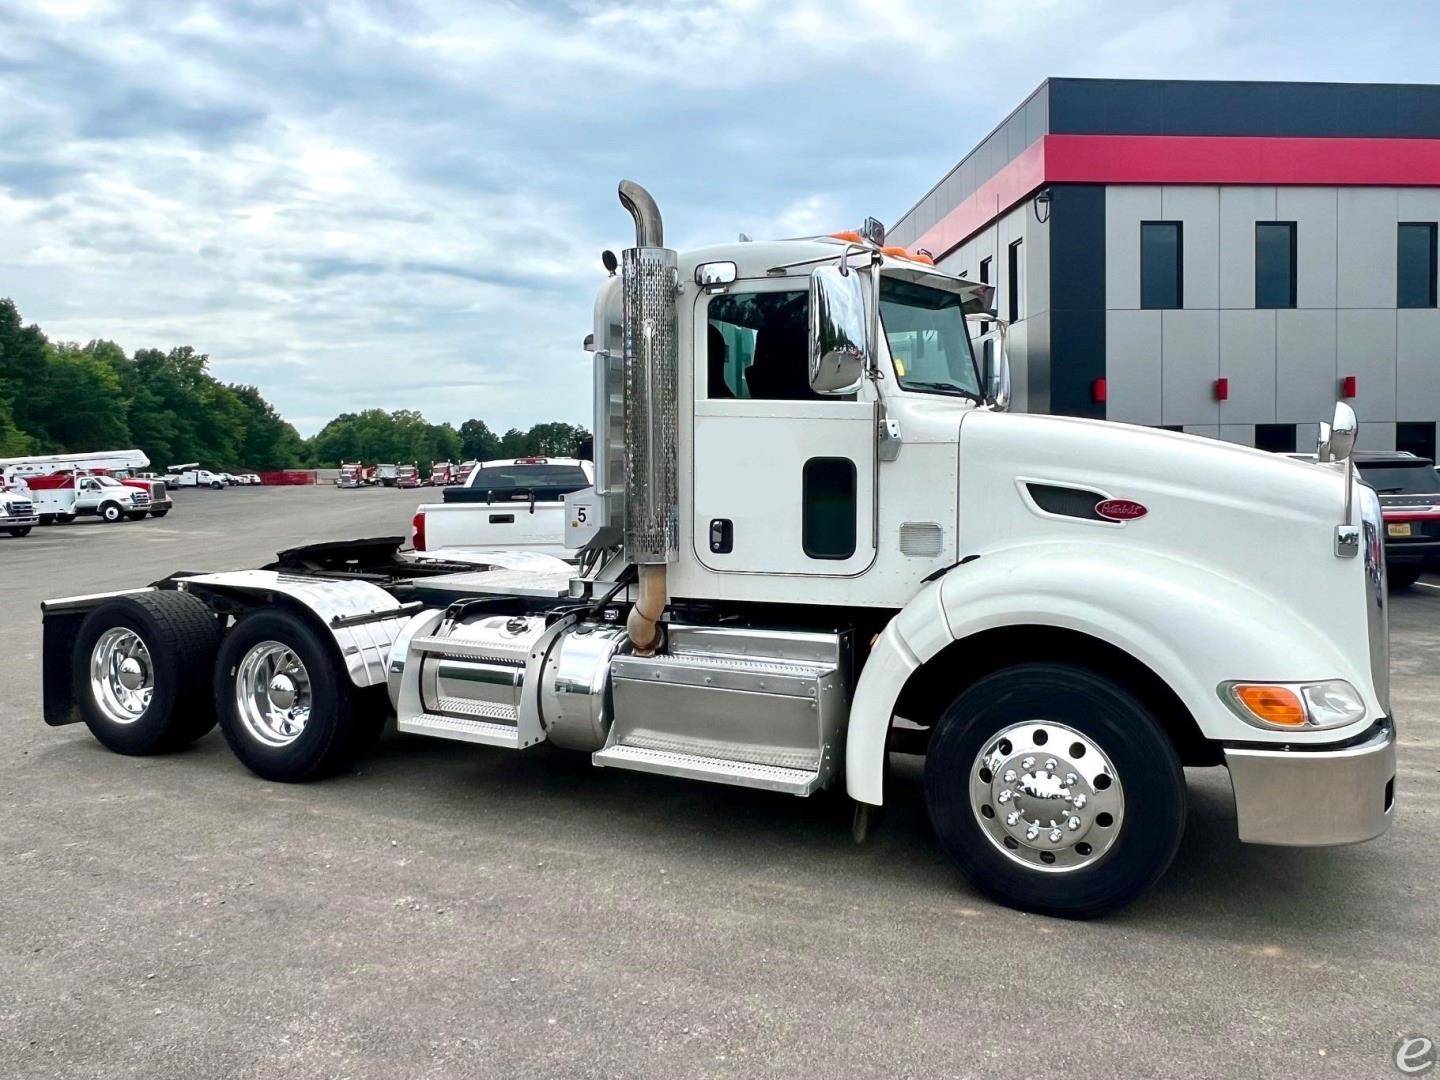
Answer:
[(784, 479)]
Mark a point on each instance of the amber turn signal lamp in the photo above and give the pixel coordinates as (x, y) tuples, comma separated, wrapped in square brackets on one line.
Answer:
[(1277, 705)]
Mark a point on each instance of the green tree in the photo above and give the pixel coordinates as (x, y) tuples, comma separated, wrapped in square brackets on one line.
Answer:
[(24, 373), (82, 401), (478, 442)]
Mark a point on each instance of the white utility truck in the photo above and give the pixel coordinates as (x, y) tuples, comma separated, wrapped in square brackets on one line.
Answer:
[(514, 504), (17, 510), (192, 475), (811, 520), (58, 473)]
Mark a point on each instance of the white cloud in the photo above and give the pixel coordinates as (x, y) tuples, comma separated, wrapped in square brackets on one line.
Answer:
[(361, 202)]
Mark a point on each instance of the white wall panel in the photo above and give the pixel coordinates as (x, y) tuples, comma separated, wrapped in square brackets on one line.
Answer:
[(1367, 247), (1125, 208), (1240, 209), (1244, 434), (1132, 366), (1314, 211), (1375, 435), (1247, 359), (1304, 366), (1198, 208), (1417, 375), (1365, 348), (1190, 344)]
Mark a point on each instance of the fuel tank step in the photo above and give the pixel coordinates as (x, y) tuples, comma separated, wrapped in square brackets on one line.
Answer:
[(483, 732), (716, 770)]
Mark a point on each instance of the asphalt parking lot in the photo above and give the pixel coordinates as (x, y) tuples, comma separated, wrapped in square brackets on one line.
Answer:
[(449, 910)]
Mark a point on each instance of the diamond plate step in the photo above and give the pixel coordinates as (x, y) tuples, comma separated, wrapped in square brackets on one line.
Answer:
[(716, 770), (461, 730)]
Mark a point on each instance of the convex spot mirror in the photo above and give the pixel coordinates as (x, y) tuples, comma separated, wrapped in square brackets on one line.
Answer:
[(1337, 438), (839, 331)]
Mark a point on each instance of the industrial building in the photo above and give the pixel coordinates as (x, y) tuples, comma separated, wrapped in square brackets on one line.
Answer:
[(1226, 258)]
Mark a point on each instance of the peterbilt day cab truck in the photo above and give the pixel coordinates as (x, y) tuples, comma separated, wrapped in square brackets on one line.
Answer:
[(815, 536)]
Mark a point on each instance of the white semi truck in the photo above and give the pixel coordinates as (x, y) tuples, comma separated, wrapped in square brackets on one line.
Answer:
[(815, 537)]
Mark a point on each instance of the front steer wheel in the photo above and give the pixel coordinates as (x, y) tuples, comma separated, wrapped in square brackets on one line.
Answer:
[(286, 704), (142, 671), (1055, 790)]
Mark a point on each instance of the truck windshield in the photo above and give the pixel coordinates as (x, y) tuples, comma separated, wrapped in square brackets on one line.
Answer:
[(929, 345)]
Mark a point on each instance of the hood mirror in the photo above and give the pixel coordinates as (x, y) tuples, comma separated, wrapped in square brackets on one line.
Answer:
[(1337, 438), (839, 330)]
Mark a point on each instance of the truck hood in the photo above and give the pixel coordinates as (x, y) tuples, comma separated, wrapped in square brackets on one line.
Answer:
[(1254, 516)]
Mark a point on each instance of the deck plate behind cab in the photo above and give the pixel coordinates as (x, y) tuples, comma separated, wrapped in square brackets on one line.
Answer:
[(547, 584)]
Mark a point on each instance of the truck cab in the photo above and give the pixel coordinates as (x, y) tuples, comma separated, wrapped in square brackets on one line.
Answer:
[(816, 536)]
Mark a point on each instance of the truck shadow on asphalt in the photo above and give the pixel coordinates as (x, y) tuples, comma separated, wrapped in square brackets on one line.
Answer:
[(1243, 894)]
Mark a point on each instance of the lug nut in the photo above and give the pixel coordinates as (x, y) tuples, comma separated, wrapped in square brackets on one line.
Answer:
[(1032, 832), (1012, 818), (1072, 824), (1055, 836), (1079, 802), (1071, 778), (1005, 796), (1010, 776), (1051, 764), (1028, 763)]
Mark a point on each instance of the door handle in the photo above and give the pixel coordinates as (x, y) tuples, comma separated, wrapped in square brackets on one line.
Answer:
[(722, 536)]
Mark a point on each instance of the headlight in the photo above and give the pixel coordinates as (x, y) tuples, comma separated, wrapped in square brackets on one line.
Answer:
[(1294, 706)]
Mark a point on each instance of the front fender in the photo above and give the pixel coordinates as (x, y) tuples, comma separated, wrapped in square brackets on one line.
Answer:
[(1194, 628)]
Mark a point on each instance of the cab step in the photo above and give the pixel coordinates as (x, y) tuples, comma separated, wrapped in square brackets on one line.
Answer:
[(717, 770), (483, 732)]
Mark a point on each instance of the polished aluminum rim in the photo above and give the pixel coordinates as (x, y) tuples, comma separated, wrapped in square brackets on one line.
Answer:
[(1047, 796), (272, 693), (122, 676)]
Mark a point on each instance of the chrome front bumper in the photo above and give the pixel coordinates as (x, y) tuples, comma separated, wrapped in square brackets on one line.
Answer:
[(20, 521), (1314, 798)]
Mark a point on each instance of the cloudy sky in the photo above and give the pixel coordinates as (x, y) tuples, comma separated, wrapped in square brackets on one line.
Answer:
[(401, 203)]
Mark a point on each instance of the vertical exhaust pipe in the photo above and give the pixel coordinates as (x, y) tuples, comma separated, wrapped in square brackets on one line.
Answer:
[(649, 282)]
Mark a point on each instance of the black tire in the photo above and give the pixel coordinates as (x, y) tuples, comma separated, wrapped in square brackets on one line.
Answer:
[(23, 530), (138, 515), (64, 519), (1402, 577), (1145, 765), (111, 512), (160, 511), (216, 485), (344, 720), (180, 635)]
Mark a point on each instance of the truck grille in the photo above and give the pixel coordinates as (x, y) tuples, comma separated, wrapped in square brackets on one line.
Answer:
[(139, 498), (21, 508)]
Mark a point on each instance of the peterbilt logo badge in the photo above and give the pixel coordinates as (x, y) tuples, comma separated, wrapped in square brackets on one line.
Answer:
[(1120, 510)]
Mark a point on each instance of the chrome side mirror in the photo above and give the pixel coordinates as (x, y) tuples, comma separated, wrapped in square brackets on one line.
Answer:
[(1000, 393), (839, 330), (1337, 438)]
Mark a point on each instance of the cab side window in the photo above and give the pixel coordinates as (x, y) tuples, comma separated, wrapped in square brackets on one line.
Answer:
[(757, 347)]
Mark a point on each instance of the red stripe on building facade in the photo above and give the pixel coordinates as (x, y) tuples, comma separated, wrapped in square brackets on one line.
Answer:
[(1187, 159)]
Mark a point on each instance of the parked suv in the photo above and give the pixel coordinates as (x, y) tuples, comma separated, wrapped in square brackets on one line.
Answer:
[(1409, 490)]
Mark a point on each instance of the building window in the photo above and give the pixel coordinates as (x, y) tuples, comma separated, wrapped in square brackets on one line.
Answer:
[(985, 271), (1016, 280), (1418, 438), (1415, 264), (1277, 438), (1162, 260), (1275, 264)]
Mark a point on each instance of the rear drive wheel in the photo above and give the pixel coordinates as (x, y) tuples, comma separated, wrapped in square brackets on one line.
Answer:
[(141, 671), (1055, 790), (286, 704), (23, 530), (111, 512)]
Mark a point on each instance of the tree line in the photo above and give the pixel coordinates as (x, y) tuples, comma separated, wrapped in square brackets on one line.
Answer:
[(62, 397)]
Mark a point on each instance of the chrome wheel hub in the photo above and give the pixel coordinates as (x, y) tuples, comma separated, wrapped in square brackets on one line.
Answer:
[(272, 693), (1047, 796), (122, 676)]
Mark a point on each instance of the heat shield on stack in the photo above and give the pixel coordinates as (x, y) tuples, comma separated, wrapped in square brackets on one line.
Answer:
[(650, 280)]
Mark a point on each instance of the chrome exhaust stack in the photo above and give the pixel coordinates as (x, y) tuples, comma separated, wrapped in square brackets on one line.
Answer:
[(649, 283)]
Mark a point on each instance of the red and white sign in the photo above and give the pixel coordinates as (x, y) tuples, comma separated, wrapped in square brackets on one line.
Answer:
[(1121, 509)]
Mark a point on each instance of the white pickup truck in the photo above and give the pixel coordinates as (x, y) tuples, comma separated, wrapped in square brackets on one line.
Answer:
[(515, 504)]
